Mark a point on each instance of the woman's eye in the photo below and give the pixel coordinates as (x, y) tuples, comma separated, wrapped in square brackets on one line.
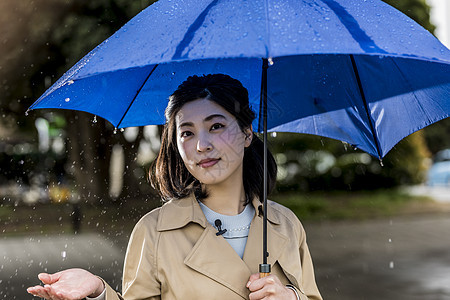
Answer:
[(217, 126), (185, 134)]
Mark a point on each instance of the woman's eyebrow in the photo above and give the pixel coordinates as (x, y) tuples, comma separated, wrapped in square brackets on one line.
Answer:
[(186, 124), (209, 118)]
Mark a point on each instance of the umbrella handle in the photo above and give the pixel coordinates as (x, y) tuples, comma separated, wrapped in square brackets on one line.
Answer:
[(264, 270)]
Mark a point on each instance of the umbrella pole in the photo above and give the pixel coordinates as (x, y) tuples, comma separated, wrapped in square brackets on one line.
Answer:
[(264, 268)]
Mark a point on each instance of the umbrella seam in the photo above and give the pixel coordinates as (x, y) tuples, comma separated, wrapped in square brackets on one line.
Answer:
[(267, 30), (189, 35)]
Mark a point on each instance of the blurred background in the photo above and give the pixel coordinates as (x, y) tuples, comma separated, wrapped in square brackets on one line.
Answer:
[(69, 183)]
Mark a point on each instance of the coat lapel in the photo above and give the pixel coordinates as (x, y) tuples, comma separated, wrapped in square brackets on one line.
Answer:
[(215, 258), (276, 241)]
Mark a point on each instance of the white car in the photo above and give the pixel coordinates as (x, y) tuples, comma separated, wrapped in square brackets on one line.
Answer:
[(439, 173)]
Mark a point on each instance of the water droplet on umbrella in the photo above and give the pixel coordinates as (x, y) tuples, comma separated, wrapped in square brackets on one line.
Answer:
[(115, 131), (67, 99), (270, 61), (95, 120), (70, 82)]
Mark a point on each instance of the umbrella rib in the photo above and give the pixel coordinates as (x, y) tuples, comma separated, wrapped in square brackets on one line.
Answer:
[(366, 107), (137, 93)]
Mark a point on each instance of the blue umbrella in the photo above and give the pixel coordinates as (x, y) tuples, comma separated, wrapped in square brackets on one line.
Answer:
[(356, 71)]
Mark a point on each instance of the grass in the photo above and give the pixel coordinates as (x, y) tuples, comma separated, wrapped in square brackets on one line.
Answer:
[(351, 205), (118, 219), (57, 218)]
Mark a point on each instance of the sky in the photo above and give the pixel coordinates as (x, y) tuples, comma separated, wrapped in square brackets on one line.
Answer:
[(440, 16)]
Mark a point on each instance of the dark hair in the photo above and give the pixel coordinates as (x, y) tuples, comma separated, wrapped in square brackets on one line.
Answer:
[(169, 174)]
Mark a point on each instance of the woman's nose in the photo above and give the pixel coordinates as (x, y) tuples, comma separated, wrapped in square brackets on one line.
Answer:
[(204, 144)]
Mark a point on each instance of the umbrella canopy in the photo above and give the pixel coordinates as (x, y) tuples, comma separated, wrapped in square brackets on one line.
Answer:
[(356, 71)]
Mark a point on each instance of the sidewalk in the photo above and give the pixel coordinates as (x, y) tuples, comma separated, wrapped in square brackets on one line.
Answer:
[(403, 258)]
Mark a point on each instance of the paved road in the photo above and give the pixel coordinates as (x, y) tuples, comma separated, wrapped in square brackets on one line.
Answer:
[(22, 258), (392, 259), (396, 259)]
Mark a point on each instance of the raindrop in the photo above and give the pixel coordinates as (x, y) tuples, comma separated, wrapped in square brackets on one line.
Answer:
[(63, 254), (270, 61), (390, 240), (67, 99), (95, 119), (345, 145), (70, 82), (115, 131), (27, 112), (122, 129), (274, 134), (391, 265)]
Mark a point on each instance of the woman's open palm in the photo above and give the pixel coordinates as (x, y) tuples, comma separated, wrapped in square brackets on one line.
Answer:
[(69, 284)]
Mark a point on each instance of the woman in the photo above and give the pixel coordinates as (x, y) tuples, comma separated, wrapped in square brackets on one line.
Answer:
[(203, 243)]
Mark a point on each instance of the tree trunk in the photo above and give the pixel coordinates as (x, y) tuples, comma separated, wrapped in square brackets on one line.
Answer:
[(89, 156), (132, 184)]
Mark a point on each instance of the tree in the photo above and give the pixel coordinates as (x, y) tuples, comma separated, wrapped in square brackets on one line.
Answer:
[(43, 39)]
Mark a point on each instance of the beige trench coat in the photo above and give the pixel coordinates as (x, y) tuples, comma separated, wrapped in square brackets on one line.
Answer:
[(174, 253)]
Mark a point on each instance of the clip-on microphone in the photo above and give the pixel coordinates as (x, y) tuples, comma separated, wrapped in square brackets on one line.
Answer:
[(218, 224)]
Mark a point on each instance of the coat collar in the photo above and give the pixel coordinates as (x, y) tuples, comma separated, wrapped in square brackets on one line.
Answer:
[(213, 256), (180, 212)]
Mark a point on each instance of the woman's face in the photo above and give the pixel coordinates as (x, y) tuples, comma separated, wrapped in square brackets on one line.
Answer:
[(211, 142)]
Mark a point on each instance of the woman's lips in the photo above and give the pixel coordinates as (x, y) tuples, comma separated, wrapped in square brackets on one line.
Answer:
[(208, 162)]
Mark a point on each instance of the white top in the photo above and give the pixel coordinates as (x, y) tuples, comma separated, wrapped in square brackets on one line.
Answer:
[(237, 226)]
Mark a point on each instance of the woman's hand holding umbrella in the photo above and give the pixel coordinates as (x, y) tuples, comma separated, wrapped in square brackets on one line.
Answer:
[(269, 287), (69, 284)]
